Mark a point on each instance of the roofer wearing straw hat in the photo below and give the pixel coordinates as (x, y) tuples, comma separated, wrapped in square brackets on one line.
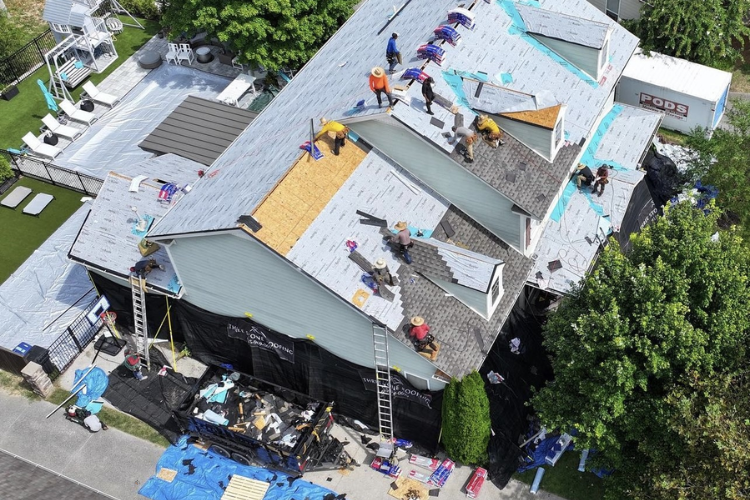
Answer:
[(403, 240), (381, 274), (491, 133), (419, 331), (379, 84), (339, 131)]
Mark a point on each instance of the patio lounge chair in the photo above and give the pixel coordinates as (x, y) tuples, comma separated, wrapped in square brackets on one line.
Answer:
[(15, 197), (39, 148), (38, 203), (76, 114), (98, 96), (58, 128)]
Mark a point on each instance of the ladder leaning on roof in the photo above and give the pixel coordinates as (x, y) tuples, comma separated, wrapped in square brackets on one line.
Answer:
[(383, 382), (137, 286)]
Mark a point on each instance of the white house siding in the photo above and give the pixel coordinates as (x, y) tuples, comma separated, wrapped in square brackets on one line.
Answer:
[(584, 58), (453, 182), (233, 274), (537, 138), (629, 9)]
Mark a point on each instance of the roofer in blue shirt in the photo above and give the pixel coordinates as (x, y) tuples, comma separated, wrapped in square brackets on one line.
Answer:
[(392, 54)]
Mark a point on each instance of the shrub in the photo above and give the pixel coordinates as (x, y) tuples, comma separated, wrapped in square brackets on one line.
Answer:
[(141, 8), (5, 171), (466, 420)]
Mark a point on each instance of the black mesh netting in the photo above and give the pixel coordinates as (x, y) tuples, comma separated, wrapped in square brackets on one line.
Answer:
[(315, 372), (529, 368), (662, 176), (641, 210), (153, 399)]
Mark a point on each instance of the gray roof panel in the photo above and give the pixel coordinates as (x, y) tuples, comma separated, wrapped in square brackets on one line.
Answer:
[(198, 129), (57, 11)]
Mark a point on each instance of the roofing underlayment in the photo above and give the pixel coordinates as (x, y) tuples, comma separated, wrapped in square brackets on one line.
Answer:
[(43, 296), (110, 236), (582, 220), (249, 169), (112, 142)]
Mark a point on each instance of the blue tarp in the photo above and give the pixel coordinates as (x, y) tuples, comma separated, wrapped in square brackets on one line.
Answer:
[(211, 475), (537, 457), (96, 383)]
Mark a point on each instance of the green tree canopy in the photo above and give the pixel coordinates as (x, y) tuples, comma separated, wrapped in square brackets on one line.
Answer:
[(723, 160), (271, 33), (627, 345), (466, 420), (702, 32)]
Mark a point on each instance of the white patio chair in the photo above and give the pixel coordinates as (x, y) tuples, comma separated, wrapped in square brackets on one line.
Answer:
[(98, 96), (39, 148), (185, 53), (76, 114), (174, 49), (58, 128)]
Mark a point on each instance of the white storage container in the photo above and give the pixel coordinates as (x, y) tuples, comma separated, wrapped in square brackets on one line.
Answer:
[(690, 95)]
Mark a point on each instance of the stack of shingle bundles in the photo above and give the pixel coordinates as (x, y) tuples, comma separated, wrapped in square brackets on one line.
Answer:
[(448, 34), (431, 52), (461, 16)]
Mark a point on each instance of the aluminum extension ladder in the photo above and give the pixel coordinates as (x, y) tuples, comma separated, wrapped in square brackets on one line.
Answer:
[(137, 287), (383, 382)]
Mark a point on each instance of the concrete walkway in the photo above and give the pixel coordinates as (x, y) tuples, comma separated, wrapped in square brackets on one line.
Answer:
[(110, 462)]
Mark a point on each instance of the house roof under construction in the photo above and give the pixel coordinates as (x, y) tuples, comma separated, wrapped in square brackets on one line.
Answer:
[(108, 240), (249, 169)]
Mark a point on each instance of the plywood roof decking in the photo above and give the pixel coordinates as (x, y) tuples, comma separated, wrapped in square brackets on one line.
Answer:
[(546, 117), (198, 129), (302, 194)]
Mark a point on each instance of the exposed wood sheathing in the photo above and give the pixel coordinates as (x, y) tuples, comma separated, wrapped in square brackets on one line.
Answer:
[(302, 193), (546, 117)]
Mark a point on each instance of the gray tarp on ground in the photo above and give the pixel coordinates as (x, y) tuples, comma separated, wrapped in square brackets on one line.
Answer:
[(45, 294), (112, 142)]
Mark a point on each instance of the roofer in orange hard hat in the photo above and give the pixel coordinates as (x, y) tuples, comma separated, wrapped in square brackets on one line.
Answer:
[(379, 84)]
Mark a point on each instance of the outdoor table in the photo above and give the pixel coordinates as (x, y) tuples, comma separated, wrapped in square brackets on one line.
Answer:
[(203, 54), (234, 91)]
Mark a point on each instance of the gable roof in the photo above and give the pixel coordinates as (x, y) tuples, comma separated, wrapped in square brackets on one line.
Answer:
[(545, 117), (336, 78)]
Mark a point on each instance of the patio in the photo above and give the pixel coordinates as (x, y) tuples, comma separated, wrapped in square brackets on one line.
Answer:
[(206, 79)]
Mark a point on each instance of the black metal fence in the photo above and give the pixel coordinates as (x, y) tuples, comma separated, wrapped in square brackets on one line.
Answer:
[(26, 60), (66, 348), (58, 176)]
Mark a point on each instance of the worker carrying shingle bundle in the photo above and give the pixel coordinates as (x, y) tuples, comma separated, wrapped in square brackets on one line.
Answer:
[(339, 131), (491, 133), (392, 54), (379, 84)]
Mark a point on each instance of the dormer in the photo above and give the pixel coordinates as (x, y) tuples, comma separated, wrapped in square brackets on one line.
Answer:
[(538, 121), (581, 42), (473, 279)]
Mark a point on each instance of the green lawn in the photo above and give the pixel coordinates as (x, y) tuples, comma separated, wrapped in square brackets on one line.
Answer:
[(24, 113), (564, 479), (22, 234)]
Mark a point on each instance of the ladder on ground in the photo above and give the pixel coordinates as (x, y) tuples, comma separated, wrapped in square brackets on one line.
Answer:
[(138, 287), (383, 382)]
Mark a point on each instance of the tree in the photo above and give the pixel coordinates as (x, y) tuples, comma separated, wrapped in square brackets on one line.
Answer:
[(466, 420), (702, 32), (270, 33), (627, 345), (723, 160)]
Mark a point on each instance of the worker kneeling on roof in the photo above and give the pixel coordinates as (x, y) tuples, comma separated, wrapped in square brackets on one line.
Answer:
[(491, 133)]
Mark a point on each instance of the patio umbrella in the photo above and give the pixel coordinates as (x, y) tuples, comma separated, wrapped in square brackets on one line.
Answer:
[(51, 104)]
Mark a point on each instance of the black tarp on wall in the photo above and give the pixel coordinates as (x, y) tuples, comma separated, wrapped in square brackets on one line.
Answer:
[(641, 210), (314, 371), (529, 368)]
